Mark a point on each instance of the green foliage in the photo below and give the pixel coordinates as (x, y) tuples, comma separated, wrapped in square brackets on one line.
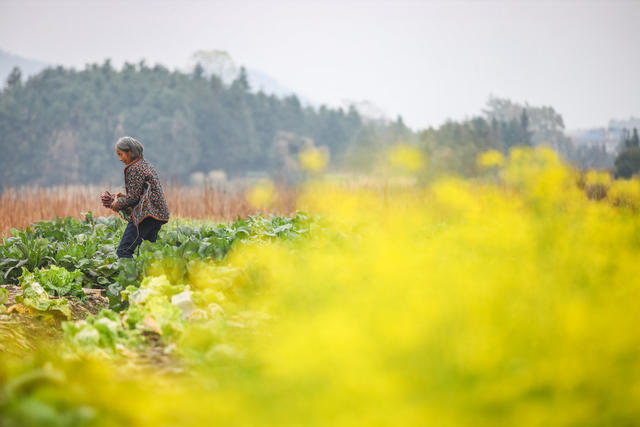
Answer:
[(56, 281), (156, 313), (36, 300), (526, 125), (180, 244), (630, 140), (23, 249), (14, 80), (101, 333), (20, 406), (4, 299), (628, 163), (87, 246), (76, 254), (59, 126), (145, 288), (454, 147)]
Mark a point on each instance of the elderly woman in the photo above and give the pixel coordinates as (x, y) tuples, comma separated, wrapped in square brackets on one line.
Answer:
[(144, 199)]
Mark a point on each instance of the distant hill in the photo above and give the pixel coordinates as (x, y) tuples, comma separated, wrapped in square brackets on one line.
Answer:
[(220, 63), (28, 66), (214, 62), (368, 111)]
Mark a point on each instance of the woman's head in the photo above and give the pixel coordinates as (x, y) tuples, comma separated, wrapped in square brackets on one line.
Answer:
[(128, 149)]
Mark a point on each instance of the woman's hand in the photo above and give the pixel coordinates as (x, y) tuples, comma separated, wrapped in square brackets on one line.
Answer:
[(107, 199), (114, 206)]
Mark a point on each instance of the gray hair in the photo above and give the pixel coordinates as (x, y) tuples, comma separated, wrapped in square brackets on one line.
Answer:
[(130, 144)]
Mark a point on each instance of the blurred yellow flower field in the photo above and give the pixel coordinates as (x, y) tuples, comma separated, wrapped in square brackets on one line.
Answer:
[(507, 301)]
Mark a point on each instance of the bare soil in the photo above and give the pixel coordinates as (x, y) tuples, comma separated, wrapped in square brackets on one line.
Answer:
[(22, 333)]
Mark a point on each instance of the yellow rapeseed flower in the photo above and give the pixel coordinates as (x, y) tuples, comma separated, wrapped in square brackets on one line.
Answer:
[(262, 194), (490, 159), (313, 159), (594, 177), (464, 302), (406, 157)]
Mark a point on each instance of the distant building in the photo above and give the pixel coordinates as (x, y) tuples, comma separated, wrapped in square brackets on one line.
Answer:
[(610, 137)]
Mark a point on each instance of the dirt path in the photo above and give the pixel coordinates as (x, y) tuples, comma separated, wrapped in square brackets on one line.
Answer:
[(22, 334)]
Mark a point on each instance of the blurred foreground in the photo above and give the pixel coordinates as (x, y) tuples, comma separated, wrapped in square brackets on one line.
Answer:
[(507, 300)]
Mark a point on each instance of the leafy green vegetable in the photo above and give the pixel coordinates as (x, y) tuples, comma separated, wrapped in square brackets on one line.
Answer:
[(56, 281), (4, 299), (102, 333), (88, 246), (157, 314), (4, 296), (82, 253), (37, 302), (150, 306)]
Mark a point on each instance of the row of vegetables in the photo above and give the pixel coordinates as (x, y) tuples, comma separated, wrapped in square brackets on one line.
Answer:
[(157, 291)]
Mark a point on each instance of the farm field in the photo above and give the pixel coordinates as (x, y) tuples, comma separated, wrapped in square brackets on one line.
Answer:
[(505, 300), (20, 207)]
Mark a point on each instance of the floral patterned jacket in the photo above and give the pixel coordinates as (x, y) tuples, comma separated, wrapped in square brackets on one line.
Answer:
[(144, 195)]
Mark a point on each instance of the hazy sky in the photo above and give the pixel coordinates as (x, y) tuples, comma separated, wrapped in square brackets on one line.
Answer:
[(425, 60)]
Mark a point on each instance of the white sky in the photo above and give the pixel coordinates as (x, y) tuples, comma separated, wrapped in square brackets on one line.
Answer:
[(425, 60)]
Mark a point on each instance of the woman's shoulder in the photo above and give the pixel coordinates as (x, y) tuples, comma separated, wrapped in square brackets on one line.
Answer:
[(139, 166), (148, 167), (146, 170)]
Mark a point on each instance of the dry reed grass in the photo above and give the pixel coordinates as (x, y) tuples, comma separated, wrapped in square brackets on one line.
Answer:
[(20, 207)]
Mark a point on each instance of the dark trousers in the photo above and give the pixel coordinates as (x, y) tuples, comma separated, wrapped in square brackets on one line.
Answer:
[(133, 236)]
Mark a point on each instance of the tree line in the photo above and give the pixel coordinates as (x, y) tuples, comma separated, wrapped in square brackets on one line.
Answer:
[(628, 161), (60, 126)]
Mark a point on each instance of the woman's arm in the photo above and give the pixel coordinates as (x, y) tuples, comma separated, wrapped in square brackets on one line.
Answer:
[(134, 192), (113, 204)]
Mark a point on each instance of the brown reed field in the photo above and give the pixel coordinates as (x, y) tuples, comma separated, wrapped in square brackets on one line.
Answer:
[(20, 207)]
